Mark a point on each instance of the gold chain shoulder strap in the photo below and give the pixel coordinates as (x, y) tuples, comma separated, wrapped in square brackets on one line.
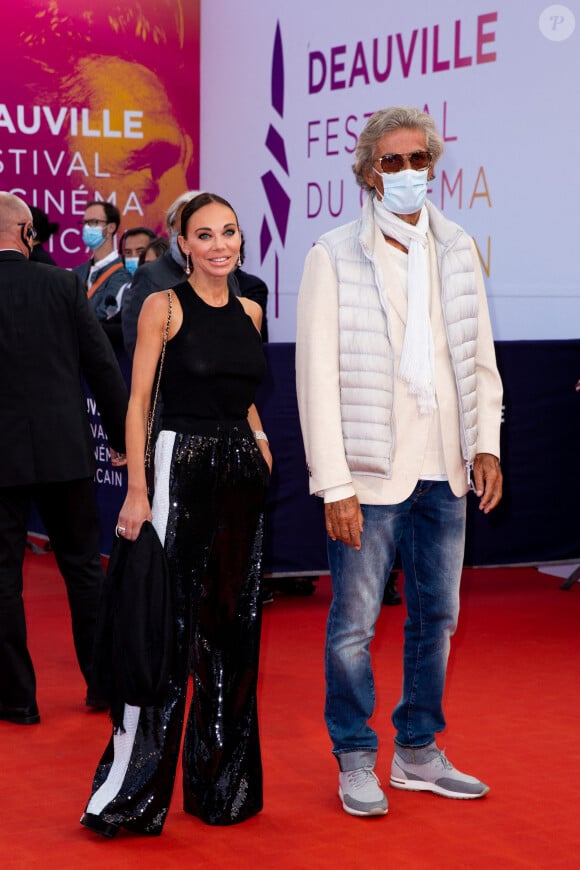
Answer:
[(153, 408)]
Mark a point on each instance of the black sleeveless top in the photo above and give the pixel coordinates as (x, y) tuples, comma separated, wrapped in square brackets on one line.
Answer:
[(212, 365)]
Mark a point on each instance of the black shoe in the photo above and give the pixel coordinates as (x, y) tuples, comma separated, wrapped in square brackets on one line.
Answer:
[(97, 705), (267, 594), (20, 715), (391, 596), (301, 586), (99, 826)]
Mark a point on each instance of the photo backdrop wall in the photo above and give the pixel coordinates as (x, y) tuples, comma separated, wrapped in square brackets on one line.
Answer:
[(287, 87), (100, 100), (135, 101)]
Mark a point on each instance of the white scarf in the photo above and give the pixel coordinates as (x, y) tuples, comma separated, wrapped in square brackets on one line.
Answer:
[(416, 365)]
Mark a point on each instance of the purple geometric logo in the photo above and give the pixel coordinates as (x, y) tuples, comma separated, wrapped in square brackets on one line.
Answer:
[(278, 199)]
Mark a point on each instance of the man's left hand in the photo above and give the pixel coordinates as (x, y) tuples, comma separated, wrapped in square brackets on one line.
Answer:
[(488, 481)]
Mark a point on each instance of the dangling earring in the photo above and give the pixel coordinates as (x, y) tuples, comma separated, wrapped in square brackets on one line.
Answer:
[(188, 264), (239, 262)]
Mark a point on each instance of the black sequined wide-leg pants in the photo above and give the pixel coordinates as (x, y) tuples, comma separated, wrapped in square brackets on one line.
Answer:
[(210, 492)]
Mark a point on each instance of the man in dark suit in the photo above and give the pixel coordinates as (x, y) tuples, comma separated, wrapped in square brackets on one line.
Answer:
[(168, 270), (50, 339), (160, 274), (104, 274), (254, 288)]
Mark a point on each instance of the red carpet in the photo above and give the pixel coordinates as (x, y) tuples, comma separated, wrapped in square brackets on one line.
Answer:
[(513, 715)]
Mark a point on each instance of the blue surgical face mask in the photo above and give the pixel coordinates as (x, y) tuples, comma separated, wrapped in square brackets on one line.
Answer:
[(405, 192), (176, 250), (131, 264), (93, 237)]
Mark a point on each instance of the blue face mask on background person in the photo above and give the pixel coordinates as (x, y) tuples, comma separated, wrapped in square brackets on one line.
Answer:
[(176, 252), (405, 192), (131, 264), (93, 237)]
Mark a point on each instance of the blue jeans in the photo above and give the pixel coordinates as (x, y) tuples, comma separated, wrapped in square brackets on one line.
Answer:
[(428, 530)]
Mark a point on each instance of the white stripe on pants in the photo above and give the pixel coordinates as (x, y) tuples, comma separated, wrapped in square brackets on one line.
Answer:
[(123, 742)]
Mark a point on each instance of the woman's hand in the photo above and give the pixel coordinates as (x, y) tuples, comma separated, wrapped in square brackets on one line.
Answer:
[(134, 511), (256, 426), (266, 453), (117, 459)]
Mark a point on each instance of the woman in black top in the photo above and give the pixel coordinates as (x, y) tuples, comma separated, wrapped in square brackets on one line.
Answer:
[(212, 469)]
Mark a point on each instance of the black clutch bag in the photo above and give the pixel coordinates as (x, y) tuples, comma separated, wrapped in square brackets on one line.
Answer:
[(134, 646)]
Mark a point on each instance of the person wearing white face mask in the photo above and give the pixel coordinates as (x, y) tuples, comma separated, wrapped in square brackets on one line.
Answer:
[(104, 274), (400, 402)]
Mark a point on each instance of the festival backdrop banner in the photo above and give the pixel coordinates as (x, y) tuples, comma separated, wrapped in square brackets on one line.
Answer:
[(288, 92), (103, 103)]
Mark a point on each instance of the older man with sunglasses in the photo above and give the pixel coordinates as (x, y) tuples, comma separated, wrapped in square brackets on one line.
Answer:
[(400, 406)]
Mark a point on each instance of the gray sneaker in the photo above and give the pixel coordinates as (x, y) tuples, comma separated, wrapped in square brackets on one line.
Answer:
[(438, 775), (361, 793)]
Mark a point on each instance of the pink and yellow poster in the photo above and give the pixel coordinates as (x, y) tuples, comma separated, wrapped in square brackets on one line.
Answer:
[(103, 103)]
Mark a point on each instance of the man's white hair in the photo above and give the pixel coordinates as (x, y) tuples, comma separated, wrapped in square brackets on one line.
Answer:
[(175, 207)]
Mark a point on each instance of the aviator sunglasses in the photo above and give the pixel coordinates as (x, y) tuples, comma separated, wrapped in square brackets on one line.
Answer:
[(396, 162)]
